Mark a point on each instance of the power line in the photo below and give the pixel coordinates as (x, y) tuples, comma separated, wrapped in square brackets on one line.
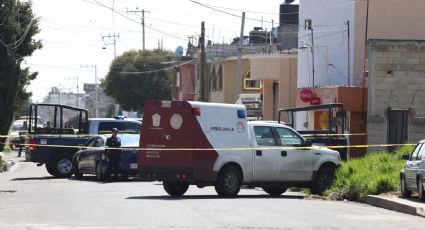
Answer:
[(153, 71), (123, 15)]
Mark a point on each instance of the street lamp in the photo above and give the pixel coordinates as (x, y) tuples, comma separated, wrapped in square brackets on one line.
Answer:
[(95, 87)]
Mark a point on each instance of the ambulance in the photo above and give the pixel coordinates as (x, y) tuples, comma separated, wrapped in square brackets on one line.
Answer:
[(212, 144)]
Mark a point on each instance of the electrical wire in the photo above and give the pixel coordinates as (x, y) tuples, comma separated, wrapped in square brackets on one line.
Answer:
[(286, 13), (153, 71), (125, 16)]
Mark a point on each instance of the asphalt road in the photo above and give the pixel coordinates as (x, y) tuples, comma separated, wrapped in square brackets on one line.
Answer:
[(31, 199)]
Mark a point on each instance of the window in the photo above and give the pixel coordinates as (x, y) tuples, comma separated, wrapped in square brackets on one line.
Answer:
[(213, 80), (98, 142), (264, 136), (220, 78), (415, 152), (307, 24), (122, 126), (289, 137), (91, 142), (248, 83), (421, 153)]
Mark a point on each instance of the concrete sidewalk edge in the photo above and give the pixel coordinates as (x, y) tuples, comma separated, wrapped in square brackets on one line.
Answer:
[(387, 203)]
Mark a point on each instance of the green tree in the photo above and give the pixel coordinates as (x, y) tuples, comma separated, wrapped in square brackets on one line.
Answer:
[(137, 76), (18, 25)]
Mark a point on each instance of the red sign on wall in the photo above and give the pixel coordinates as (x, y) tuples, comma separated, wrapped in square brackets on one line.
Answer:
[(315, 100), (306, 94)]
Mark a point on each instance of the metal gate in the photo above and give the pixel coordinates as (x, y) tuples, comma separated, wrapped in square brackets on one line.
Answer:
[(397, 127)]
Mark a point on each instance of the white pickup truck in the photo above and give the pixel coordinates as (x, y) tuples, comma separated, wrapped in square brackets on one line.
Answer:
[(198, 143)]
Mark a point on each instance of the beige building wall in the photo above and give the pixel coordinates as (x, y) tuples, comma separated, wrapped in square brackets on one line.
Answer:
[(388, 19), (227, 94), (279, 75)]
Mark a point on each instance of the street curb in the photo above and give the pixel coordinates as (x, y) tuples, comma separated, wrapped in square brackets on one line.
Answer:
[(387, 203)]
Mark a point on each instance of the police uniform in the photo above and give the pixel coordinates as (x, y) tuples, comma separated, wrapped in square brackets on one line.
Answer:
[(114, 154)]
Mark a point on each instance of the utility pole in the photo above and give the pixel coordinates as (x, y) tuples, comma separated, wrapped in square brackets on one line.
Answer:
[(96, 90), (114, 42), (203, 63), (239, 67), (143, 11), (348, 51), (312, 51)]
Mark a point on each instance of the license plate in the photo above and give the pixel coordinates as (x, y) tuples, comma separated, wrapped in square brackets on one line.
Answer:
[(133, 165)]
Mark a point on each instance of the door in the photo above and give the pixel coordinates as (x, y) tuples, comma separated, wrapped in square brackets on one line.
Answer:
[(297, 165), (82, 161), (412, 165), (397, 127), (92, 156), (266, 158)]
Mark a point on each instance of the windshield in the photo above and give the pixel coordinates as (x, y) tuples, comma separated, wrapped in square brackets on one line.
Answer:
[(16, 127), (129, 140)]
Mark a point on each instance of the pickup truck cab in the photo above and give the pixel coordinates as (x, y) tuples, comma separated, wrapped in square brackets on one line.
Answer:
[(55, 146), (197, 143)]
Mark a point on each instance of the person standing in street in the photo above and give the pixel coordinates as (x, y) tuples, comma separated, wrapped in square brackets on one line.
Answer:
[(21, 137), (114, 154)]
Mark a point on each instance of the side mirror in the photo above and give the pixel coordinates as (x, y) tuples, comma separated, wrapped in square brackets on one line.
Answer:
[(308, 143), (405, 157)]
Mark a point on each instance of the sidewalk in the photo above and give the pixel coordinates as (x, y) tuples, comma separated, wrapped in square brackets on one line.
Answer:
[(411, 206)]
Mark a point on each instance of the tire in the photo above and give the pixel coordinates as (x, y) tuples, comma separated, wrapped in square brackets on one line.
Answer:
[(274, 191), (324, 180), (228, 182), (100, 174), (62, 166), (124, 176), (421, 190), (175, 188), (403, 188)]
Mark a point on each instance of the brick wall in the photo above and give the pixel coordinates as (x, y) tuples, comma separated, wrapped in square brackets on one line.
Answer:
[(396, 80)]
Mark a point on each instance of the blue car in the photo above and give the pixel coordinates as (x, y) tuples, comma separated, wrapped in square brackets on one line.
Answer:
[(92, 159)]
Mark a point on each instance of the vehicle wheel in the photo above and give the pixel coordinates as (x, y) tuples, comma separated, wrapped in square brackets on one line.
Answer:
[(175, 188), (324, 180), (77, 173), (228, 182), (62, 166), (421, 190), (274, 191), (124, 176), (100, 174), (403, 187)]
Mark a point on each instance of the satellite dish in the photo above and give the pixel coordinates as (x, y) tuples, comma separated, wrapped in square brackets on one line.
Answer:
[(179, 51)]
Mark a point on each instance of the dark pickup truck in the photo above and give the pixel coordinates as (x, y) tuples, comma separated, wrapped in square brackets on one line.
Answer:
[(332, 133), (56, 145)]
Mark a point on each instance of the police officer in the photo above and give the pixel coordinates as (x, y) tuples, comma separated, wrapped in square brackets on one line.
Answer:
[(114, 154)]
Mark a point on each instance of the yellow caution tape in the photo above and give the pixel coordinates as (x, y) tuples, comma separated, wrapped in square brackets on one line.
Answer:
[(223, 149), (85, 135)]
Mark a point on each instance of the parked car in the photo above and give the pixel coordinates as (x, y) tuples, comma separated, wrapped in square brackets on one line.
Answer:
[(15, 131), (92, 159), (412, 177)]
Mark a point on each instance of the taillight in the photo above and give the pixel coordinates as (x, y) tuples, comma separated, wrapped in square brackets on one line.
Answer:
[(33, 145), (196, 111)]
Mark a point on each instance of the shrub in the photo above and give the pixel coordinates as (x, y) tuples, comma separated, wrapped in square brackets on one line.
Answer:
[(2, 165), (373, 174)]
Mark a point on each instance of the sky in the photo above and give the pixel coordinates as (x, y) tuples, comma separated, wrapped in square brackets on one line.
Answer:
[(78, 34)]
